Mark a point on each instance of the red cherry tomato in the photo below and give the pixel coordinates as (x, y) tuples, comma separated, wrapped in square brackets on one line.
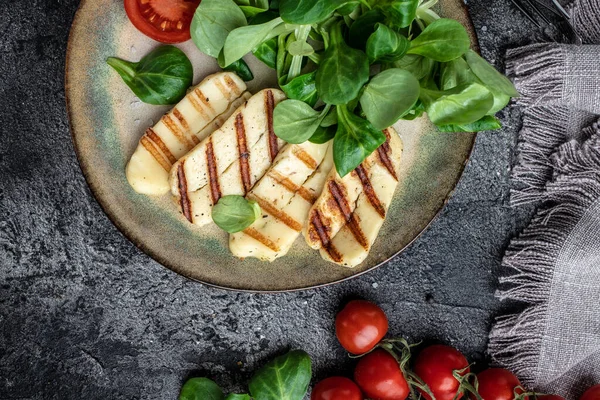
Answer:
[(592, 393), (360, 326), (167, 21), (336, 388), (380, 378), (549, 397), (498, 384), (435, 365)]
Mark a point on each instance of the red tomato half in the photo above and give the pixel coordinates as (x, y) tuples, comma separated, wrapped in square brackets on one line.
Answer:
[(360, 326), (498, 384), (592, 393), (380, 378), (435, 365), (167, 21), (336, 388)]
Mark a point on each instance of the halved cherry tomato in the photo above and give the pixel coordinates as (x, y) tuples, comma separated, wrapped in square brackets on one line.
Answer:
[(336, 388), (380, 378), (360, 326), (167, 21), (498, 384), (435, 365), (592, 393)]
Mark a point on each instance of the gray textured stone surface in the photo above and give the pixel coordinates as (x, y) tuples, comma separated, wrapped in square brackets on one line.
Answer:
[(84, 314)]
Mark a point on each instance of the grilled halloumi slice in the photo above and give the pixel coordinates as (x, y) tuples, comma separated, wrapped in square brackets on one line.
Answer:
[(203, 110), (285, 194), (343, 225), (230, 161)]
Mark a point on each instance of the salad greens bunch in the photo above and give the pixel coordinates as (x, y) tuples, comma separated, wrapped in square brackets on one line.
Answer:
[(364, 65), (284, 378)]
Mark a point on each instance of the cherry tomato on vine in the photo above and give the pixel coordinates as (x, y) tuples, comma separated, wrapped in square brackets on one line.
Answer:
[(167, 21), (360, 326), (336, 388), (380, 378), (592, 393), (498, 384), (435, 365)]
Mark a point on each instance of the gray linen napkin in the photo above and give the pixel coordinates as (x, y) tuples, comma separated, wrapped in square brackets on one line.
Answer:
[(553, 267)]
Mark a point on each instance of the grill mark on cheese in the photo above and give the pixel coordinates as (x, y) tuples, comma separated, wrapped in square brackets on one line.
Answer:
[(352, 223), (292, 187), (369, 191), (181, 119), (384, 151), (276, 212), (150, 148), (184, 200), (259, 237), (205, 101), (305, 157), (323, 236), (269, 107), (213, 174), (244, 153), (226, 93), (233, 87), (169, 123), (198, 107), (339, 197), (161, 145)]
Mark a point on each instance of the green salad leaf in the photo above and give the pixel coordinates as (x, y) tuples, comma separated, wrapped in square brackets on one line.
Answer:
[(489, 76), (386, 45), (241, 69), (238, 397), (389, 96), (400, 13), (295, 121), (245, 39), (487, 123), (323, 134), (443, 40), (161, 77), (235, 213), (303, 88), (343, 70), (419, 66), (455, 73), (355, 139), (267, 52), (212, 23), (458, 106), (201, 389), (251, 8), (306, 12), (284, 378), (363, 27)]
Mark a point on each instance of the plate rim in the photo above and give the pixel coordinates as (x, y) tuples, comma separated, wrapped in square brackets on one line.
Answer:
[(124, 230)]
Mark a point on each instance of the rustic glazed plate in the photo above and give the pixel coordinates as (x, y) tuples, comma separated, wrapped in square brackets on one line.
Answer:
[(107, 121)]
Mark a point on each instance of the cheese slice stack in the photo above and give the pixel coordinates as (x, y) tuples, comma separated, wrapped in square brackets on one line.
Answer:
[(285, 195), (345, 221), (230, 161), (204, 109)]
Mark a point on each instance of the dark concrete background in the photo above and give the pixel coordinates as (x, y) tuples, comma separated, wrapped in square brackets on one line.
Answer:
[(84, 314)]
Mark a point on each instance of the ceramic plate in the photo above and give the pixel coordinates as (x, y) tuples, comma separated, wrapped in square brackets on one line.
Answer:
[(107, 121)]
